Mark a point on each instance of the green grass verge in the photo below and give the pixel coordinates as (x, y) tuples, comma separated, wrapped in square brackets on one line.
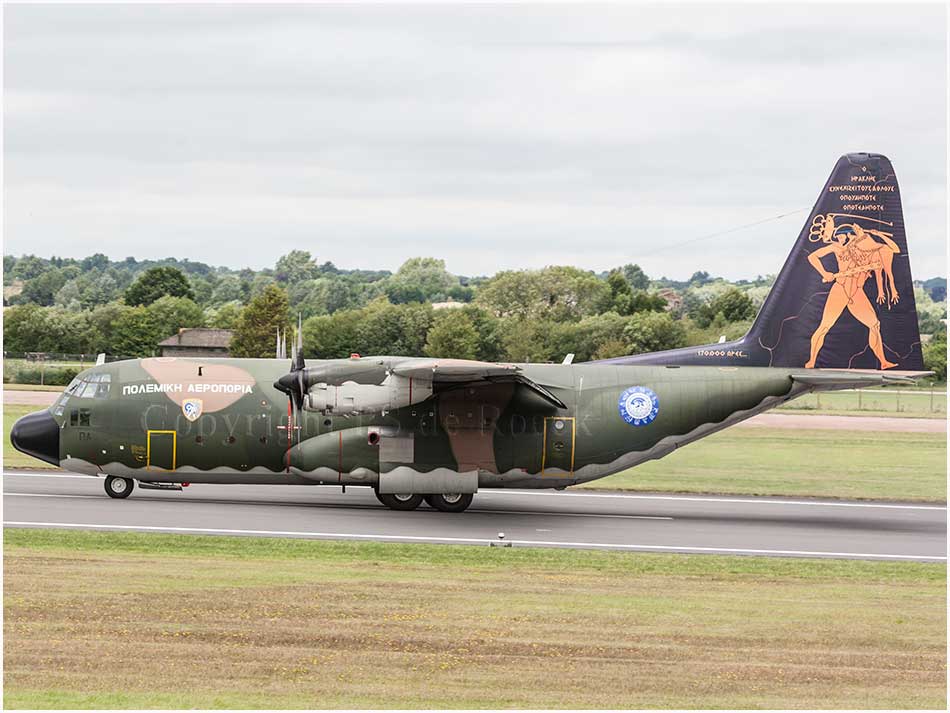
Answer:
[(826, 463), (438, 556), (230, 622)]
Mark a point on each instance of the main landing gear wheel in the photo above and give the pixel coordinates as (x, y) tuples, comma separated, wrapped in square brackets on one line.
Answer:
[(450, 502), (119, 487), (399, 501)]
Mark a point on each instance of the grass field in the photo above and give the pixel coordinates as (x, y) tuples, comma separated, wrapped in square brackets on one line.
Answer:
[(129, 620), (829, 463), (755, 461)]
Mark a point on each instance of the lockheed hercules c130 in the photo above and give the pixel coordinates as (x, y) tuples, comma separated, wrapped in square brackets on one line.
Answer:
[(841, 315)]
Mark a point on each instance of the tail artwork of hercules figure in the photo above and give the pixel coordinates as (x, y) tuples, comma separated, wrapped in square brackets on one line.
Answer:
[(859, 255)]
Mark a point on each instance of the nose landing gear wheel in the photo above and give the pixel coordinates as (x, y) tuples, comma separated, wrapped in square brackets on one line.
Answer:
[(450, 502), (119, 487), (399, 501)]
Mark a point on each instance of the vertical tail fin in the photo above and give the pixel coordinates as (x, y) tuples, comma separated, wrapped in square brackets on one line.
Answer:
[(845, 298)]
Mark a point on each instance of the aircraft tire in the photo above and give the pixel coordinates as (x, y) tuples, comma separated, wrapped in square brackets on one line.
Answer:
[(119, 487), (401, 501), (450, 502)]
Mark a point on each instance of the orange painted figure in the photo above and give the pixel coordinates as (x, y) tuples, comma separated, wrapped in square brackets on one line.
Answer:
[(859, 256)]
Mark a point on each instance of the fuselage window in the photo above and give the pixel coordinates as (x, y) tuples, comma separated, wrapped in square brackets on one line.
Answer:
[(74, 417), (84, 417)]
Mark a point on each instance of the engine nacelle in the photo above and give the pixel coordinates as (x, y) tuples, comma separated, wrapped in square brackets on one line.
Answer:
[(350, 398)]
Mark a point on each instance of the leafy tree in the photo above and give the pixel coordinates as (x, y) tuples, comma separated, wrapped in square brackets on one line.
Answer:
[(332, 336), (653, 331), (95, 262), (226, 316), (636, 277), (935, 355), (700, 278), (8, 263), (68, 296), (157, 282), (733, 304), (136, 335), (42, 289), (487, 326), (452, 336), (296, 266), (559, 293), (31, 328), (28, 267), (203, 289), (568, 293), (103, 326), (257, 326), (260, 283), (930, 314), (170, 314), (421, 279), (326, 295), (621, 296), (511, 293), (644, 301), (525, 340), (399, 330), (229, 289)]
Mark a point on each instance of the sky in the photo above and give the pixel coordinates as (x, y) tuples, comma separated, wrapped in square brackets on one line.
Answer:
[(494, 137)]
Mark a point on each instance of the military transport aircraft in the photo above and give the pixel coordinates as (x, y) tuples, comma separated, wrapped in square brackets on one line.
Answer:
[(841, 315)]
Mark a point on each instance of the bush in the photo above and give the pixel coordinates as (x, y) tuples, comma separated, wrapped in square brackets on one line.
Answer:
[(53, 376), (935, 355)]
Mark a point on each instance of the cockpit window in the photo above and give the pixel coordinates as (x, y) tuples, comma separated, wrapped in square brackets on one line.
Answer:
[(88, 387), (102, 390)]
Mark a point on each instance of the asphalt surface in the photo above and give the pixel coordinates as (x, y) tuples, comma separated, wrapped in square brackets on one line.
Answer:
[(575, 519)]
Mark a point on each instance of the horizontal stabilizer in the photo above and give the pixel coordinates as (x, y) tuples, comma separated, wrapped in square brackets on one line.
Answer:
[(857, 378)]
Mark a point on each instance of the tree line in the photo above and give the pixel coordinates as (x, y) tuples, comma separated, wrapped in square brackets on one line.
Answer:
[(125, 308)]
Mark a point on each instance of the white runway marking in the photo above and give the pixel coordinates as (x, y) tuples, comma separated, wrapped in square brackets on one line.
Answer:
[(764, 500), (470, 540), (489, 512)]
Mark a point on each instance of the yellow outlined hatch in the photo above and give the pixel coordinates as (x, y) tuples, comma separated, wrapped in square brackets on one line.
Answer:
[(148, 450)]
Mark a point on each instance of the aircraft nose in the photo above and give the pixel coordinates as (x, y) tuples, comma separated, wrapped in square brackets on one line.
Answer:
[(37, 435)]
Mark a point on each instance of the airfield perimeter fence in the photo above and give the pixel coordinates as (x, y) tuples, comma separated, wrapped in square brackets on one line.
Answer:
[(46, 368)]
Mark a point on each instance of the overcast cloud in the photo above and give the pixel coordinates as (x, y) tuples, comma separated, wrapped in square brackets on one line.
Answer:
[(492, 137)]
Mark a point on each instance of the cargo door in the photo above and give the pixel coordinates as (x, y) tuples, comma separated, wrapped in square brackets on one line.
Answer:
[(161, 450)]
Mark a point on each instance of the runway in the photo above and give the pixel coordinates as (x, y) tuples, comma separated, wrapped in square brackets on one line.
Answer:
[(575, 519)]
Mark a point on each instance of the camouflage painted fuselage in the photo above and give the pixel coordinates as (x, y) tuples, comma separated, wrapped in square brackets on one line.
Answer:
[(223, 421)]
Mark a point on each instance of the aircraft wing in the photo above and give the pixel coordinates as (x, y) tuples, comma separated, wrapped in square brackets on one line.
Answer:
[(459, 372), (445, 370)]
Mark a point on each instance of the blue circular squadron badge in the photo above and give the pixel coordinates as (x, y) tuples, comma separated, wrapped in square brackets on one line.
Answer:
[(638, 406)]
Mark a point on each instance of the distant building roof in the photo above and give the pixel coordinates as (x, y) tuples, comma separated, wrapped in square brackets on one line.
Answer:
[(199, 337), (447, 305)]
